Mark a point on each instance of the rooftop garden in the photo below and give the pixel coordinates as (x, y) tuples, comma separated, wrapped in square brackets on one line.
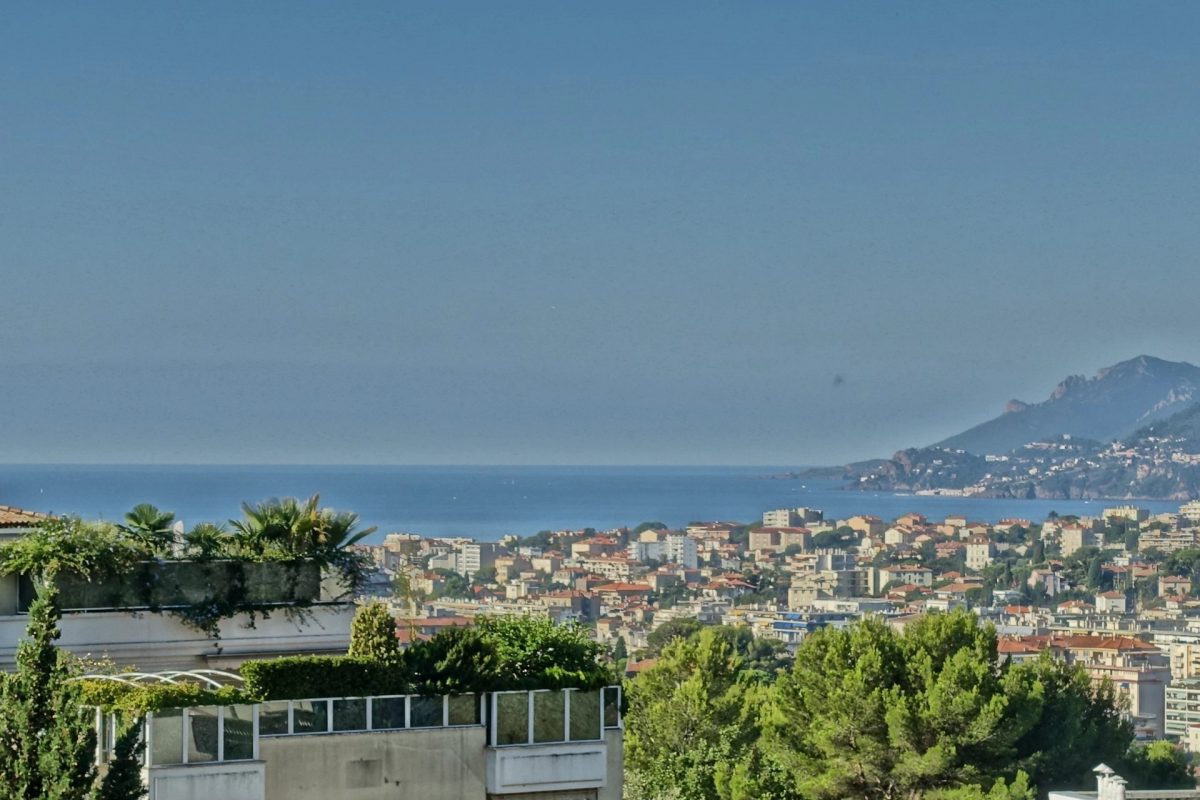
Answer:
[(274, 557), (495, 654)]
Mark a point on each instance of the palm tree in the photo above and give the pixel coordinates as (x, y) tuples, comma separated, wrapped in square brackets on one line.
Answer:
[(289, 528), (206, 541), (150, 526), (292, 530)]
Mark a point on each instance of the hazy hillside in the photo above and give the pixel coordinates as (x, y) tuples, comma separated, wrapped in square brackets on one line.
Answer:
[(1118, 401), (1181, 431)]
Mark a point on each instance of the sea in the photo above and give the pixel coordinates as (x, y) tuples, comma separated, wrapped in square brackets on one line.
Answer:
[(488, 502)]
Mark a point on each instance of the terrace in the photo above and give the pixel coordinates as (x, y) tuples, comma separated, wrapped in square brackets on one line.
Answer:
[(539, 743)]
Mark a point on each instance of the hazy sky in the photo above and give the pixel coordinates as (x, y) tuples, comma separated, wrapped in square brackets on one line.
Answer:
[(768, 233)]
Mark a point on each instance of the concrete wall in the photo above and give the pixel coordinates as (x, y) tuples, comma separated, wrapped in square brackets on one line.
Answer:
[(159, 641), (241, 780), (614, 789), (431, 764)]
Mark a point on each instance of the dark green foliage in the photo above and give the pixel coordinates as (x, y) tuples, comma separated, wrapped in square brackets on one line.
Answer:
[(456, 661), (536, 653), (128, 566), (1158, 765), (123, 781), (685, 716), (484, 576), (681, 628), (649, 526), (761, 658), (288, 529), (1038, 556), (47, 739), (495, 654), (150, 527), (206, 541), (453, 584), (69, 545), (838, 538), (373, 634), (300, 677), (620, 651), (1185, 563), (866, 712)]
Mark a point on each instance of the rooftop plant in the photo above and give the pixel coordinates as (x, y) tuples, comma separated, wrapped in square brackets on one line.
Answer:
[(494, 654), (287, 532)]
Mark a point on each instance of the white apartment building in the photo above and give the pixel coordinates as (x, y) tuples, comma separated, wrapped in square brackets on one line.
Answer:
[(674, 548), (781, 518), (474, 556)]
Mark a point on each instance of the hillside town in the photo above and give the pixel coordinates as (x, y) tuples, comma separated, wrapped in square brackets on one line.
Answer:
[(1116, 592)]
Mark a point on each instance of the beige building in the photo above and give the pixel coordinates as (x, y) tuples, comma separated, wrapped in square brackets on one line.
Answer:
[(980, 552), (1111, 603), (1074, 537)]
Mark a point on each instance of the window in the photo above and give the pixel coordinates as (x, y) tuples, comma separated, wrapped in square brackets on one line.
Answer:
[(426, 712), (350, 715), (512, 718), (273, 718), (238, 739), (612, 706), (585, 716), (387, 713), (203, 737), (463, 709), (310, 716), (549, 713), (166, 736)]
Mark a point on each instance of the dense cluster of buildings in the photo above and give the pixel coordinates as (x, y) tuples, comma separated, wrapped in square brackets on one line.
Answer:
[(1115, 593), (1100, 592)]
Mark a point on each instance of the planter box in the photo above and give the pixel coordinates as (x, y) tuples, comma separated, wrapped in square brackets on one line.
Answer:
[(175, 584)]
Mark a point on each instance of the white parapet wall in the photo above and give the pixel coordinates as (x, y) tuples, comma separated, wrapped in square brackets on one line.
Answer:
[(241, 780), (152, 641), (547, 768)]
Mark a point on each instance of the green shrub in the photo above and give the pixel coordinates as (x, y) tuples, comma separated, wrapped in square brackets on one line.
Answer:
[(138, 699), (301, 677), (373, 634), (496, 654)]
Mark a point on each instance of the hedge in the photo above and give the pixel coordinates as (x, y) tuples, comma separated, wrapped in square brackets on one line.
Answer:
[(303, 677)]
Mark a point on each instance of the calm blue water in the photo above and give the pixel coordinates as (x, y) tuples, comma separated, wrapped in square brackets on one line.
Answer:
[(484, 502)]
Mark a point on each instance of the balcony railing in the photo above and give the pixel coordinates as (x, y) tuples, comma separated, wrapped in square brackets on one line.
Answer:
[(547, 716), (209, 734)]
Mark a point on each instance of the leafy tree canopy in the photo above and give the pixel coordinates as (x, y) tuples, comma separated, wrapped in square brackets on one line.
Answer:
[(869, 712)]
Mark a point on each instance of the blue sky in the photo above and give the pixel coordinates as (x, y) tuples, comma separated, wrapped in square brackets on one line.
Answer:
[(563, 233)]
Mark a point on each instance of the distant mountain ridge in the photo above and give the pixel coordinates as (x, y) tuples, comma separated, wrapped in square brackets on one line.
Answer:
[(1118, 401), (1133, 431)]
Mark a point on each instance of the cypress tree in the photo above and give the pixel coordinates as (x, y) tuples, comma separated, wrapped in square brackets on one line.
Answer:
[(47, 739), (373, 634), (123, 781)]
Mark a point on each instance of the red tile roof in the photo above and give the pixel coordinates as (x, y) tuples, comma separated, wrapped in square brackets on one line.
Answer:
[(18, 518)]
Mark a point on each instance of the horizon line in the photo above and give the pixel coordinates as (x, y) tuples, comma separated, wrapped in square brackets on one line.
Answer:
[(374, 464)]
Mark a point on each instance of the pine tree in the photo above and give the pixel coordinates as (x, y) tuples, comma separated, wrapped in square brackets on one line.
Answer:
[(47, 740), (620, 649), (123, 781), (373, 634)]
